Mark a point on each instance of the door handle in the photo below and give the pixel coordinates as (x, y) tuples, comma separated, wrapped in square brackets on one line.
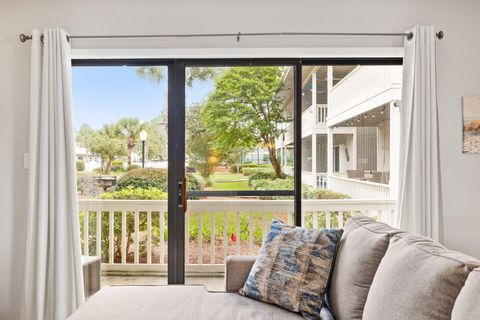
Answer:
[(182, 194)]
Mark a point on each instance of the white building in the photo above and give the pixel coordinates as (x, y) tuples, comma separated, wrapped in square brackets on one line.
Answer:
[(349, 124)]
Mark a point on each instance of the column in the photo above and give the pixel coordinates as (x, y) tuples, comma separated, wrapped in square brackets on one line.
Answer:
[(314, 153), (330, 150), (314, 98), (394, 149), (329, 78)]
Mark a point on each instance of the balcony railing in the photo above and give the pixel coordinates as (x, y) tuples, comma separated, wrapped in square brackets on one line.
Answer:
[(315, 179), (312, 117), (131, 235), (359, 189), (365, 88)]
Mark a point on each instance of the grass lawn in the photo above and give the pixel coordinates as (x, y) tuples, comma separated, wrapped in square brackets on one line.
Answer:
[(222, 176), (229, 181), (235, 185)]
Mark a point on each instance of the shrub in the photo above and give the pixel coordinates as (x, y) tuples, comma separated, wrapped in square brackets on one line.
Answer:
[(311, 193), (80, 164), (233, 168), (252, 171), (288, 184), (264, 175), (194, 182), (131, 167), (153, 178), (144, 178), (277, 184), (132, 193), (117, 165)]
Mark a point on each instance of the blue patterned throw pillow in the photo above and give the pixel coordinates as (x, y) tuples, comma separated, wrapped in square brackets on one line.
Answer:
[(293, 268)]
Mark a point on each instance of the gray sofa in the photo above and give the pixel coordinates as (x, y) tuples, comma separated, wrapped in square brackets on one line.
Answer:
[(379, 273)]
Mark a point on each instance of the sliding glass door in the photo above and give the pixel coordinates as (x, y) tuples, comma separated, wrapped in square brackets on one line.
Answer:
[(184, 162)]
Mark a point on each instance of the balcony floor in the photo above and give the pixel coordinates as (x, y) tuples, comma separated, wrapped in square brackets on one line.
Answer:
[(212, 283)]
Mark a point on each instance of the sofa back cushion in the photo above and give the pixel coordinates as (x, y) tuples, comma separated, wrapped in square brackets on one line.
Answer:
[(362, 247), (418, 279), (467, 305)]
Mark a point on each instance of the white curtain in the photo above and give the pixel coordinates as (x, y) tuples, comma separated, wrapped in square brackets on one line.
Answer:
[(53, 286), (419, 198)]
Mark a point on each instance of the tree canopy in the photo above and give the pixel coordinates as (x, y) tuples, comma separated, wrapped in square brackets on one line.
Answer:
[(157, 74), (200, 149), (245, 110)]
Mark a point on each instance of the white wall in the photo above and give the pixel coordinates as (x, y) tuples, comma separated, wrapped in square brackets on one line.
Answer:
[(458, 63)]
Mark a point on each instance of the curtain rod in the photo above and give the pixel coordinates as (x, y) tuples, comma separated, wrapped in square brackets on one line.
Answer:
[(409, 35)]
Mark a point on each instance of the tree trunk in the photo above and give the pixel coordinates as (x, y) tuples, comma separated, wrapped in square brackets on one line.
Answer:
[(129, 155), (274, 161)]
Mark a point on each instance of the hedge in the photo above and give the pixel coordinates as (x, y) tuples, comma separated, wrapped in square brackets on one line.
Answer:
[(117, 165), (233, 168), (147, 178), (252, 171), (308, 192), (131, 167), (80, 164), (132, 193)]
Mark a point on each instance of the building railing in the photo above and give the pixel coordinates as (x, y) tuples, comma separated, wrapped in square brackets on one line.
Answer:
[(322, 113), (315, 179), (131, 235), (359, 189)]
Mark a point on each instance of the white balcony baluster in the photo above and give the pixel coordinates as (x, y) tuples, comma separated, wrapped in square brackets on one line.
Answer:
[(316, 213)]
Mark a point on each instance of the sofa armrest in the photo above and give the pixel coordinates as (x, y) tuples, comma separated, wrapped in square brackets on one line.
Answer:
[(237, 269)]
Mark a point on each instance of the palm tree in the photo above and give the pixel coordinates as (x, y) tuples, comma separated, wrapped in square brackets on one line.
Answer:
[(130, 128), (157, 74)]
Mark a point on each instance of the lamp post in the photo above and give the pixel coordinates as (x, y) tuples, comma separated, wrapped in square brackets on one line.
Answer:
[(143, 138)]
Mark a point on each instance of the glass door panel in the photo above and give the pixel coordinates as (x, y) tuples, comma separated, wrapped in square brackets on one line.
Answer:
[(239, 152), (350, 128), (121, 156)]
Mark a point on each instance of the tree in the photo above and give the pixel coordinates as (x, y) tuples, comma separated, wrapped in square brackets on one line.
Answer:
[(108, 145), (235, 155), (157, 74), (199, 143), (130, 129), (246, 110), (84, 137), (157, 138)]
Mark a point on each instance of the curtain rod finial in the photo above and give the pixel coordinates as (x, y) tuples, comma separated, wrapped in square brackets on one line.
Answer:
[(440, 35), (410, 36), (23, 37)]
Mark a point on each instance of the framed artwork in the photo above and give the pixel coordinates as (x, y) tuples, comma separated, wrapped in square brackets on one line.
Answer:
[(471, 124)]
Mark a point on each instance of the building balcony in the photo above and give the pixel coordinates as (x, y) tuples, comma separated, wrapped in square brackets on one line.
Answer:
[(364, 89), (130, 236), (314, 120)]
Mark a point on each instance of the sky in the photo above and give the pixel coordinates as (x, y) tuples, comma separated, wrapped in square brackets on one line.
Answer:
[(102, 95)]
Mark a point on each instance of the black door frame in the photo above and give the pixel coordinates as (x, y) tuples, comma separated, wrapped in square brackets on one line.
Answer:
[(176, 128)]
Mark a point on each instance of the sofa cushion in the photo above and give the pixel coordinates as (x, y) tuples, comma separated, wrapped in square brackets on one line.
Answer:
[(293, 268), (362, 247), (418, 279), (237, 269), (467, 305), (175, 302)]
